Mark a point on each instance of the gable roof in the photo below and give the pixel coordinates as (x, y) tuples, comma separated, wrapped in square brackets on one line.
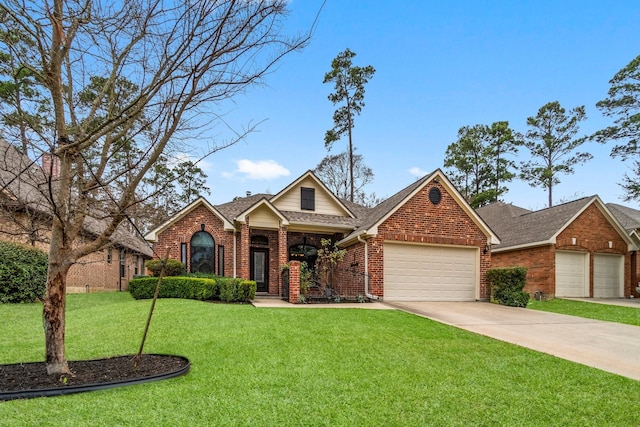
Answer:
[(519, 227), (384, 210), (152, 235), (310, 175), (262, 202), (21, 181)]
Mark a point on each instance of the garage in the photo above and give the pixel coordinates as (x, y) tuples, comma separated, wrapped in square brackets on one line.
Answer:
[(572, 274), (608, 273), (414, 272)]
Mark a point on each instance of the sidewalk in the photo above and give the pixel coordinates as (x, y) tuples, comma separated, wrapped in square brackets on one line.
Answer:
[(279, 303)]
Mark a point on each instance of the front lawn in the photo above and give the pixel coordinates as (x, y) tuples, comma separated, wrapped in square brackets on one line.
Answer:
[(589, 310), (347, 367)]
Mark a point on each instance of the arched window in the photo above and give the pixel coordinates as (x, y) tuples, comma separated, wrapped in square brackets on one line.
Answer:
[(306, 253), (202, 255)]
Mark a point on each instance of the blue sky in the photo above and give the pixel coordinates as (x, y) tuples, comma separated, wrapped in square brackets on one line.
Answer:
[(439, 66)]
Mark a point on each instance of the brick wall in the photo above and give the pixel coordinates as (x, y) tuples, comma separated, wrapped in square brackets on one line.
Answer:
[(351, 273), (96, 271), (181, 232), (420, 221), (540, 263)]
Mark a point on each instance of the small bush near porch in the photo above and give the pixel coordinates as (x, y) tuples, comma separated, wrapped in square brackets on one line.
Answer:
[(292, 367)]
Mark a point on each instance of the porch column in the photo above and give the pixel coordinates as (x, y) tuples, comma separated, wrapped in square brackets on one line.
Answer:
[(244, 250), (282, 253), (294, 282)]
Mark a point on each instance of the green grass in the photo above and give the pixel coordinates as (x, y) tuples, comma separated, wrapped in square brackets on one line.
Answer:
[(590, 310), (281, 367)]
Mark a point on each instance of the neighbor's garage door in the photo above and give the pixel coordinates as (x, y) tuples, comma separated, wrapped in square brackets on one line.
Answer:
[(608, 276), (572, 274), (429, 273)]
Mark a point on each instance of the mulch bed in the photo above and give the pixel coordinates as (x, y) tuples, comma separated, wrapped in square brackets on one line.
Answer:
[(33, 376)]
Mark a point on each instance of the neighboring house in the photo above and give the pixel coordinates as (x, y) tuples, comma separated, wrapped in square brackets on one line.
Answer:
[(576, 249), (630, 220), (25, 217), (423, 243)]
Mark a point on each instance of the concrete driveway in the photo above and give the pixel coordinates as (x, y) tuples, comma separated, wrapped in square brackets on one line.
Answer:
[(611, 347)]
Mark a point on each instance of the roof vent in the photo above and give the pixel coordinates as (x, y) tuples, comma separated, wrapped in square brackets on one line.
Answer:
[(248, 193)]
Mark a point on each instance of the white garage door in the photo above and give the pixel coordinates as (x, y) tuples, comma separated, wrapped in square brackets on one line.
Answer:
[(572, 274), (608, 276), (429, 273)]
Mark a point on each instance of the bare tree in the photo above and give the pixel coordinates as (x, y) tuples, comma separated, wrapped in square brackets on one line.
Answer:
[(182, 58), (335, 171)]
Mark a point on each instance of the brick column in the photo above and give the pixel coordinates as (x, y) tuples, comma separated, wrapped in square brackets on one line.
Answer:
[(294, 282), (282, 253), (244, 262)]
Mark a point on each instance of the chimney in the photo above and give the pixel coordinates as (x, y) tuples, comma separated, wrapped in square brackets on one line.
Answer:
[(248, 193), (51, 165)]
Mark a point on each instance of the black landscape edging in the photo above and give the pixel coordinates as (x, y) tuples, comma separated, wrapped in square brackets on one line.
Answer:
[(61, 391)]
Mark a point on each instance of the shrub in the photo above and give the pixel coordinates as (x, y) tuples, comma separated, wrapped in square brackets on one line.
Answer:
[(174, 287), (199, 288), (506, 286), (23, 273), (236, 290), (172, 268)]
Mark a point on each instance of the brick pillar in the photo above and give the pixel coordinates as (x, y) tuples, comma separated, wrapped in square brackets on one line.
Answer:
[(294, 282), (634, 273), (245, 240), (282, 253)]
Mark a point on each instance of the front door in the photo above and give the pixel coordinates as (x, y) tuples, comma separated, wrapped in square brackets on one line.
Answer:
[(260, 269)]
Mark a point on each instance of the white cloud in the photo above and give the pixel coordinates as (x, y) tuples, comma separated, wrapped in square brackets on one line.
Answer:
[(416, 171), (261, 169)]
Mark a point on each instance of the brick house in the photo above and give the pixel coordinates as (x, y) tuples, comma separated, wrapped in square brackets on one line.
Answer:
[(576, 249), (423, 243), (25, 217)]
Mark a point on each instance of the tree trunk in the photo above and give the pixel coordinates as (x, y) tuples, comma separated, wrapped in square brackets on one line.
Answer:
[(53, 316), (53, 310)]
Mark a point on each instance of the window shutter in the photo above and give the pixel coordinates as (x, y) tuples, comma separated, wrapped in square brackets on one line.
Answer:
[(307, 199)]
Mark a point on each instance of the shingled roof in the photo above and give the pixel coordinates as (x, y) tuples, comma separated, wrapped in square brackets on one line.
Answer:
[(360, 220), (628, 217), (21, 180), (519, 227)]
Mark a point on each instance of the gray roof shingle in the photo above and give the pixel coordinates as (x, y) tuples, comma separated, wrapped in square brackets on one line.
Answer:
[(628, 217), (517, 226)]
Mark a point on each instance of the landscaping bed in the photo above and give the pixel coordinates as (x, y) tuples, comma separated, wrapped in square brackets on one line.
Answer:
[(26, 380)]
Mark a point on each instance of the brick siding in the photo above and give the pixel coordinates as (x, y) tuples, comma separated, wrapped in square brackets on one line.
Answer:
[(93, 270), (420, 221)]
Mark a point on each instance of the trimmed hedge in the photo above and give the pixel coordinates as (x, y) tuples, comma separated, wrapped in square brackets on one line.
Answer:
[(199, 288), (23, 273), (173, 267), (506, 286)]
